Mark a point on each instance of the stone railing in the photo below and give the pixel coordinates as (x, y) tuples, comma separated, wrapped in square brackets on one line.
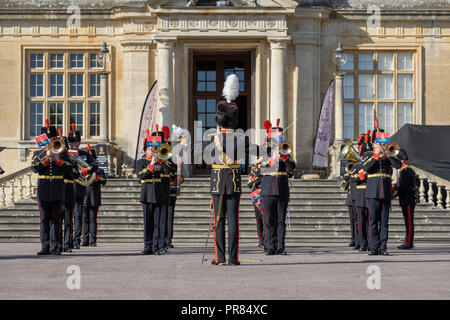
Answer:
[(16, 187), (433, 189)]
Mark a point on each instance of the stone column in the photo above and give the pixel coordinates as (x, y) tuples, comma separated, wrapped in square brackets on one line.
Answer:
[(278, 84), (338, 124), (134, 91), (339, 109), (164, 74), (307, 57), (104, 106)]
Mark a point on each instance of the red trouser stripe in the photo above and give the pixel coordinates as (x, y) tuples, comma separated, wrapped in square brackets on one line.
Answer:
[(408, 243), (216, 258)]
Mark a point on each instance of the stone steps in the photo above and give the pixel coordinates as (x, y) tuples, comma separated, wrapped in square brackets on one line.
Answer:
[(317, 214)]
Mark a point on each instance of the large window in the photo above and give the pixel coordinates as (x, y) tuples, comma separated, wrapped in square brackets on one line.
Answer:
[(63, 87), (378, 85)]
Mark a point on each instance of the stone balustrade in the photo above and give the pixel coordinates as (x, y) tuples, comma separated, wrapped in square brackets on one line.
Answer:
[(433, 190), (17, 187)]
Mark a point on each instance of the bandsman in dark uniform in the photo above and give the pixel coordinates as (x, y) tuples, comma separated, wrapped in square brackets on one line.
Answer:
[(406, 189), (254, 183), (360, 203), (74, 138), (50, 192), (225, 184), (276, 172), (92, 201), (349, 203), (353, 209), (69, 205), (167, 169), (378, 168), (148, 170)]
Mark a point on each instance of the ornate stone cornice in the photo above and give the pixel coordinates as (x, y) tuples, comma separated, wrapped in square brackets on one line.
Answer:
[(136, 44), (242, 24)]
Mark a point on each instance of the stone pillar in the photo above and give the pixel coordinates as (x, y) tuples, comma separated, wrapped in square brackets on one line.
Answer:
[(307, 59), (338, 124), (104, 106), (339, 109), (278, 84), (134, 91), (164, 75)]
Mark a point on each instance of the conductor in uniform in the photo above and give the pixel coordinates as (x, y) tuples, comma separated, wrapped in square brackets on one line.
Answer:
[(225, 184), (405, 189), (276, 172), (378, 168), (50, 192)]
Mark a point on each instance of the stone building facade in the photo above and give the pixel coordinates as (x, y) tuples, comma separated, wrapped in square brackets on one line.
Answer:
[(282, 50)]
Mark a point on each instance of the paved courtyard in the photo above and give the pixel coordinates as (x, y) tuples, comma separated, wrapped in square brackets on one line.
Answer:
[(320, 271)]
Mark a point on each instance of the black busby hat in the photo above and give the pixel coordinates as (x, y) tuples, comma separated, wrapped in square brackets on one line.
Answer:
[(374, 133), (49, 130), (227, 111), (74, 135), (158, 133), (402, 155), (227, 115)]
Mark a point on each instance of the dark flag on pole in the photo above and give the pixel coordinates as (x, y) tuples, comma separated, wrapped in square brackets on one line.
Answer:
[(147, 120), (323, 135)]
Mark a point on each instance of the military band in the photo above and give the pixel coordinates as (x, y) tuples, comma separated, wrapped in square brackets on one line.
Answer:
[(372, 191), (69, 188)]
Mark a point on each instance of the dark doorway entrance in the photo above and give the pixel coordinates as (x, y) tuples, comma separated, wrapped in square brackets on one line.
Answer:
[(210, 69)]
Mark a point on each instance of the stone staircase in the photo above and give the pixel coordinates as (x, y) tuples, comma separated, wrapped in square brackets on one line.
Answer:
[(317, 214)]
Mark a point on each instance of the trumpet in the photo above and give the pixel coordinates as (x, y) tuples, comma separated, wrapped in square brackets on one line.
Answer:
[(164, 151), (56, 147), (392, 149)]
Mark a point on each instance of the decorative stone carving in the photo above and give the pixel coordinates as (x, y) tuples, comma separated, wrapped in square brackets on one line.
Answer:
[(232, 23), (213, 23), (136, 44)]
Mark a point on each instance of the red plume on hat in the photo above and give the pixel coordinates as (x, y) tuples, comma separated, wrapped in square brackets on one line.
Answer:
[(73, 127), (47, 123), (60, 132), (268, 127), (147, 134), (166, 131), (278, 122)]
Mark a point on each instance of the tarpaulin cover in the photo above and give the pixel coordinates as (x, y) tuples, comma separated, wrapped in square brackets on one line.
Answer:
[(427, 147)]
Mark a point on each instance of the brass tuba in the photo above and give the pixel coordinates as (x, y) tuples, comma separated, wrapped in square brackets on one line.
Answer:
[(342, 183), (164, 151), (349, 153)]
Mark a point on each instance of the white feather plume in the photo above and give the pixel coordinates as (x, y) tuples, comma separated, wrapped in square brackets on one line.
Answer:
[(231, 88)]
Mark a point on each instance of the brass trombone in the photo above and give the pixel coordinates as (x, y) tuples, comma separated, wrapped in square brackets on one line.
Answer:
[(56, 147), (392, 149), (164, 151), (285, 148)]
